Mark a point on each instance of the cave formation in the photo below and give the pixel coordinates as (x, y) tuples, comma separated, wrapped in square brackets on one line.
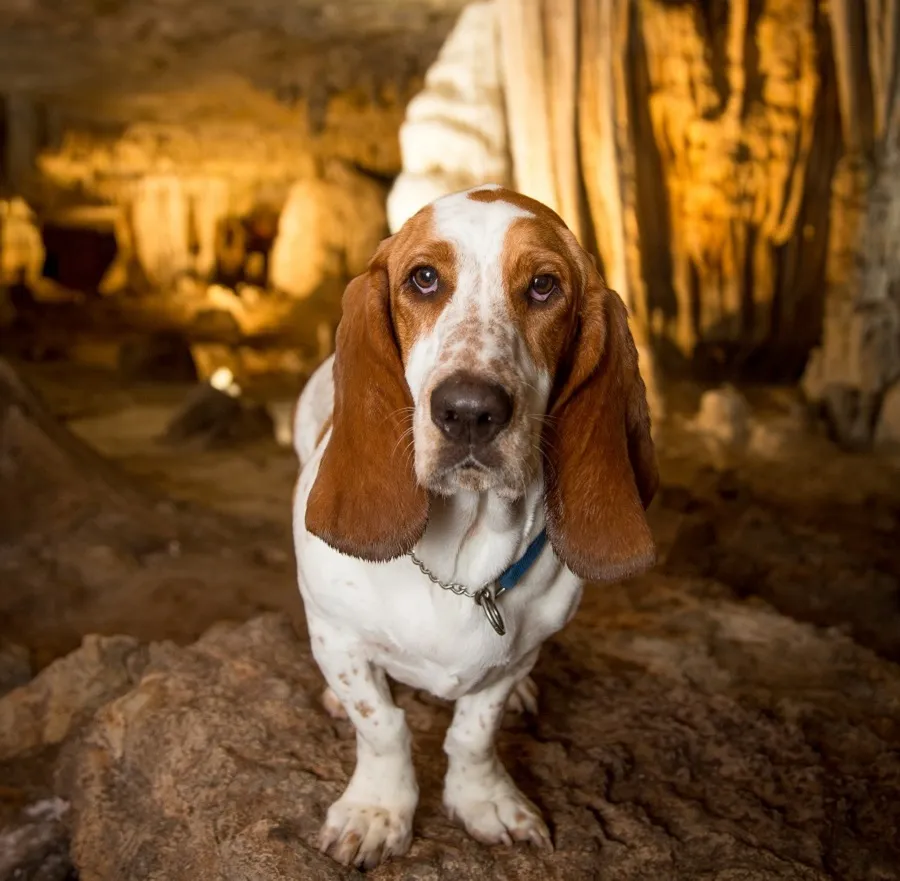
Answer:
[(185, 189)]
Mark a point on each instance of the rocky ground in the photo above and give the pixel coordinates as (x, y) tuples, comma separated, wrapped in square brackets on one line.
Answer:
[(734, 714)]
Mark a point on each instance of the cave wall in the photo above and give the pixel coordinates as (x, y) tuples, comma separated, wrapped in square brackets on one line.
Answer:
[(733, 165), (237, 156)]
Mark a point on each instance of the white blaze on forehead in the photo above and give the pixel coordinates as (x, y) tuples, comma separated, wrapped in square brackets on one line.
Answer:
[(477, 231)]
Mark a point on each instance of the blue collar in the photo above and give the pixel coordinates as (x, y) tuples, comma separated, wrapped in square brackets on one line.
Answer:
[(512, 576)]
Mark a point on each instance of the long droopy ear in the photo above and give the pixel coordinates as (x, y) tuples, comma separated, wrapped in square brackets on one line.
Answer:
[(365, 501), (601, 463)]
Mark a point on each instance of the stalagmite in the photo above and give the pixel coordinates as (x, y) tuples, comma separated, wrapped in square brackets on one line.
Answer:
[(209, 205), (454, 134), (160, 216), (859, 356), (328, 228)]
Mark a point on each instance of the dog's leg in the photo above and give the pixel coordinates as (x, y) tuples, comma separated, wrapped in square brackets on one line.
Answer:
[(478, 791), (372, 820)]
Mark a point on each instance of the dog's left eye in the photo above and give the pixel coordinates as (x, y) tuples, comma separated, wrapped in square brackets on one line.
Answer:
[(541, 287), (425, 278)]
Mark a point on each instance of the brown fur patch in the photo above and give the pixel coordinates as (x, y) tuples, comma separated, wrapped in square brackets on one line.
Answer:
[(416, 245), (366, 501), (365, 710), (601, 463)]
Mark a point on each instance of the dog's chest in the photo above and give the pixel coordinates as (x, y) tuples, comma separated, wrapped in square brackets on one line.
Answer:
[(427, 637)]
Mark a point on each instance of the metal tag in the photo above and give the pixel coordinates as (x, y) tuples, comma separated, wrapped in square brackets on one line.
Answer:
[(491, 612)]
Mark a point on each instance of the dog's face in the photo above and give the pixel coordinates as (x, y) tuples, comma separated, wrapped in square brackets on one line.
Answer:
[(480, 351), (482, 297)]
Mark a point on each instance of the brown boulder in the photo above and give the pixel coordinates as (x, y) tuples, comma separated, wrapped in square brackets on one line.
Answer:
[(681, 735)]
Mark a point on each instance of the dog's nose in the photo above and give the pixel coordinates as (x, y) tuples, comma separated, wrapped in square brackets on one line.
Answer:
[(470, 410)]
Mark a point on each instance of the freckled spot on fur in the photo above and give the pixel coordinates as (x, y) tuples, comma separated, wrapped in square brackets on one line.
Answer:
[(481, 723), (353, 839), (344, 678), (385, 822), (520, 816), (365, 710), (354, 671)]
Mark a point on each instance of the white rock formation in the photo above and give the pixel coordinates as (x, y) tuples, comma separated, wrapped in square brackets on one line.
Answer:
[(454, 134)]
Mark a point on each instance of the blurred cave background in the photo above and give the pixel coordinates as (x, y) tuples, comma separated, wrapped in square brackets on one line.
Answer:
[(185, 190)]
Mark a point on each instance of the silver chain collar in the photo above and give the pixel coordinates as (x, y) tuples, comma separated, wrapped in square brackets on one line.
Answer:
[(482, 596)]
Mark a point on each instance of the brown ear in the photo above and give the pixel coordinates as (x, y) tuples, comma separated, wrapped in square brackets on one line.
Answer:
[(365, 501), (601, 463)]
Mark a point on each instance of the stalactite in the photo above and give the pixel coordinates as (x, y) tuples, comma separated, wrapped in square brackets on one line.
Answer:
[(734, 164), (561, 27)]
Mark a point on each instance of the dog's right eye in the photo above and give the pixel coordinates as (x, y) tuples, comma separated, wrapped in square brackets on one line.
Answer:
[(425, 278)]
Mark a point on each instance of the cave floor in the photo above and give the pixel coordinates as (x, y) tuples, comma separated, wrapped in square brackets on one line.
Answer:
[(810, 529), (755, 544)]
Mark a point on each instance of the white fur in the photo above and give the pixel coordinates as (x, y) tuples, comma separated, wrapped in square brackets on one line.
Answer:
[(368, 621)]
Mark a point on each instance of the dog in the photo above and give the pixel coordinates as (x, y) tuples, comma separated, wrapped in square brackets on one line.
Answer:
[(477, 448)]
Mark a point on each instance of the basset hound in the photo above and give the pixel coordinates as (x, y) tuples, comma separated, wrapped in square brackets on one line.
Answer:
[(475, 450)]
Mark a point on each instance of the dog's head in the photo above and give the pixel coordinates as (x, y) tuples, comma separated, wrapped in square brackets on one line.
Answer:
[(482, 351)]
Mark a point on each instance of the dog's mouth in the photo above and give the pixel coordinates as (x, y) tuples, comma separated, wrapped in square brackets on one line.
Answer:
[(470, 470)]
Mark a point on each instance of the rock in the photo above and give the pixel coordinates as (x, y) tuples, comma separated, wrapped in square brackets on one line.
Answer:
[(63, 695), (724, 416), (282, 413), (161, 357), (216, 412), (849, 415), (36, 847), (678, 731), (887, 431), (328, 228)]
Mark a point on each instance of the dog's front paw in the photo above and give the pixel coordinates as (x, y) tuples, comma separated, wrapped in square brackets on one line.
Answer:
[(365, 835), (494, 811)]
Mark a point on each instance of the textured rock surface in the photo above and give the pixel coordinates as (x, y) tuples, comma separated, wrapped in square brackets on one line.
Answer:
[(691, 725), (84, 548), (679, 731)]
